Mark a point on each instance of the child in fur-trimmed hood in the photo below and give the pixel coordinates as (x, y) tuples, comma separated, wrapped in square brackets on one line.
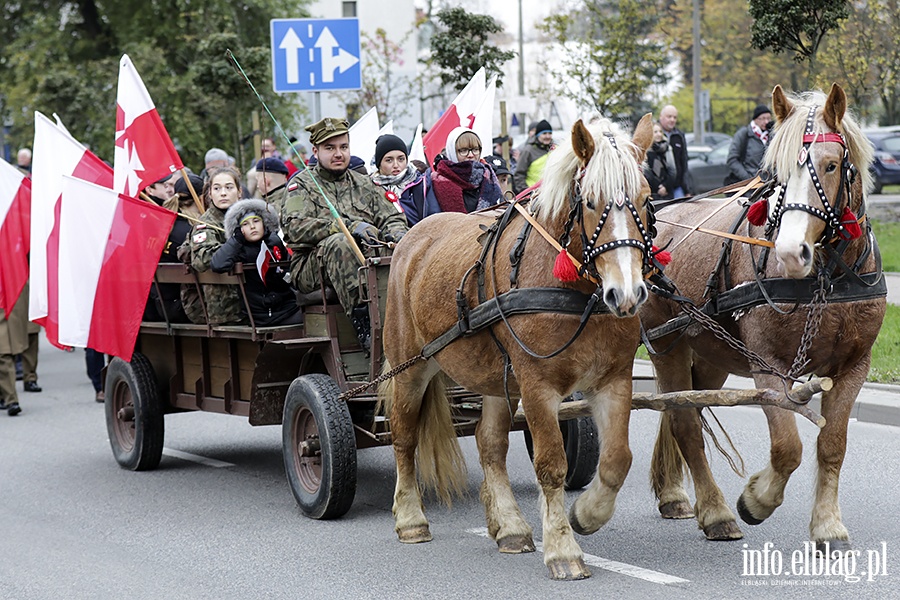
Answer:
[(251, 224)]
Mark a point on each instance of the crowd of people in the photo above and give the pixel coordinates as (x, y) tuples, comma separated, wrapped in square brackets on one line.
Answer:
[(280, 210)]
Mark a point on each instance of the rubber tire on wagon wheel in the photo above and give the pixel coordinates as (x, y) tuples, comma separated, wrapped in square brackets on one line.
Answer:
[(581, 441), (319, 447), (134, 414)]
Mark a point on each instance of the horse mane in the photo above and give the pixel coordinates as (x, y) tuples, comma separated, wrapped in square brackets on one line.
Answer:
[(609, 172), (784, 148)]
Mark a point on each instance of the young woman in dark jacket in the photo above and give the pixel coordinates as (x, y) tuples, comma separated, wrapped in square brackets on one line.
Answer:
[(401, 181), (660, 175), (250, 224)]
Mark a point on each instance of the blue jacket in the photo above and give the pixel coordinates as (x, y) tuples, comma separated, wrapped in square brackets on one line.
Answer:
[(414, 201)]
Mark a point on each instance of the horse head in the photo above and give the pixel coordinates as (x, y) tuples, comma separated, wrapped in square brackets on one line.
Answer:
[(595, 200), (821, 161)]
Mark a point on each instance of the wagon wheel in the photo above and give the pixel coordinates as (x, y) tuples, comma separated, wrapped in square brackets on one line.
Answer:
[(319, 447), (134, 414), (581, 441)]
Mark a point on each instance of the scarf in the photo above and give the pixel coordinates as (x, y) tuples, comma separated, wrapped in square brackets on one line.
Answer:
[(762, 135), (657, 157), (396, 183), (465, 186)]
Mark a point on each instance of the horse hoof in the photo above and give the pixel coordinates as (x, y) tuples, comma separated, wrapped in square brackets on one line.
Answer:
[(415, 535), (568, 570), (677, 509), (745, 514), (516, 544), (723, 532), (577, 527), (828, 547)]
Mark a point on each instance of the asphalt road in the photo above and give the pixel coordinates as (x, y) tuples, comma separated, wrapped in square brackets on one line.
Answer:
[(77, 526)]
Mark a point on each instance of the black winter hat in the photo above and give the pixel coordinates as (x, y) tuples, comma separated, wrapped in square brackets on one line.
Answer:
[(271, 165), (388, 143), (760, 110), (542, 126), (196, 183)]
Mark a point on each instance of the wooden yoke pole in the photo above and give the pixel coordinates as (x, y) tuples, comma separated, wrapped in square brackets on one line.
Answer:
[(190, 188)]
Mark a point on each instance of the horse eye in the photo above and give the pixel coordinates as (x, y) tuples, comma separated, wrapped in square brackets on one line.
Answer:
[(831, 168)]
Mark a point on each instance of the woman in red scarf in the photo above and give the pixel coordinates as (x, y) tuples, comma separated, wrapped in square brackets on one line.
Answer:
[(461, 182)]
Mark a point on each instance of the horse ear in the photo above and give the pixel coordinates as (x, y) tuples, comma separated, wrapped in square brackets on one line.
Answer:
[(582, 142), (643, 137), (782, 105), (835, 107)]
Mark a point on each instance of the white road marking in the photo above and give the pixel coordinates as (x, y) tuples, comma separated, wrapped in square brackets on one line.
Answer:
[(609, 565), (209, 462)]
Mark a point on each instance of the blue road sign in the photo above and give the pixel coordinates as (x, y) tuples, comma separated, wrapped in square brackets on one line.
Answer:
[(312, 55)]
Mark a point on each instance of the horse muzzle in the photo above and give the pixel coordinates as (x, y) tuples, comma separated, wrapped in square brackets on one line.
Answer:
[(796, 259), (623, 302)]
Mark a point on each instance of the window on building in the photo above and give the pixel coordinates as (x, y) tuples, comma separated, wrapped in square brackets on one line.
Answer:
[(349, 9)]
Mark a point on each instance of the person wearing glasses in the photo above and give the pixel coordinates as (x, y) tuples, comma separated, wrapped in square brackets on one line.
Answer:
[(460, 182)]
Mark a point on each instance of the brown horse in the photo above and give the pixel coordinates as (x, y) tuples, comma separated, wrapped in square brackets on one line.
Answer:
[(598, 176), (821, 161)]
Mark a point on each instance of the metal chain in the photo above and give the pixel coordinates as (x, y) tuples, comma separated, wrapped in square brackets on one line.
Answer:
[(811, 330), (383, 377), (720, 332)]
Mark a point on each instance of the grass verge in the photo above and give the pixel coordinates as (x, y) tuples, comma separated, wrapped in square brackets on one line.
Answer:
[(888, 236)]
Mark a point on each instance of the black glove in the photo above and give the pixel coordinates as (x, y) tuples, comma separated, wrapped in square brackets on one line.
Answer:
[(366, 233), (238, 235), (394, 236)]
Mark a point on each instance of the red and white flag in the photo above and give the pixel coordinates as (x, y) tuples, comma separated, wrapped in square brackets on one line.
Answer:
[(461, 113), (144, 151), (56, 153), (109, 246), (15, 233), (483, 123), (263, 260)]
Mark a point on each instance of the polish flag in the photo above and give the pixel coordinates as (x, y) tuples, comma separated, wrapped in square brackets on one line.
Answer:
[(109, 246), (56, 153), (15, 233), (144, 151), (483, 124), (461, 113), (417, 149), (263, 260)]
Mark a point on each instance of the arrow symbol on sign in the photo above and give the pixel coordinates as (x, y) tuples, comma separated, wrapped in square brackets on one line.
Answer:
[(291, 45), (342, 61)]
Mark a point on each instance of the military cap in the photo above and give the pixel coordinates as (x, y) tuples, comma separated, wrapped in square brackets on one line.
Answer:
[(327, 128)]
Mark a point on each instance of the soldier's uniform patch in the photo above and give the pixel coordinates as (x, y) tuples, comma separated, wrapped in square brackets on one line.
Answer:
[(200, 237)]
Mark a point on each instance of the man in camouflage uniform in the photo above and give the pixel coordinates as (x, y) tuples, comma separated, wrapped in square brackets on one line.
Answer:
[(312, 233), (271, 181)]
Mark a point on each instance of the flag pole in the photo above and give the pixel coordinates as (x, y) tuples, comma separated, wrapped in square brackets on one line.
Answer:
[(334, 212), (190, 188)]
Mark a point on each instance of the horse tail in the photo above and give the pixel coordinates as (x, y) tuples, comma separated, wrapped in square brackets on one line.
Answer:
[(442, 466), (385, 391), (667, 458), (736, 462)]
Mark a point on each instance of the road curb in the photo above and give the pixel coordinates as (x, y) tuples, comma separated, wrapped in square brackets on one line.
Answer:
[(877, 402)]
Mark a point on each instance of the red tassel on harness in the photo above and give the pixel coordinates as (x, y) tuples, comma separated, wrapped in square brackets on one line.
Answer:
[(758, 213), (662, 257), (850, 224), (563, 269)]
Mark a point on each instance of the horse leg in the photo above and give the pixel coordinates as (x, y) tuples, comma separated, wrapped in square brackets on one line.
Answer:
[(714, 516), (562, 555), (506, 524), (764, 491), (831, 445), (406, 403), (611, 407), (673, 374)]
